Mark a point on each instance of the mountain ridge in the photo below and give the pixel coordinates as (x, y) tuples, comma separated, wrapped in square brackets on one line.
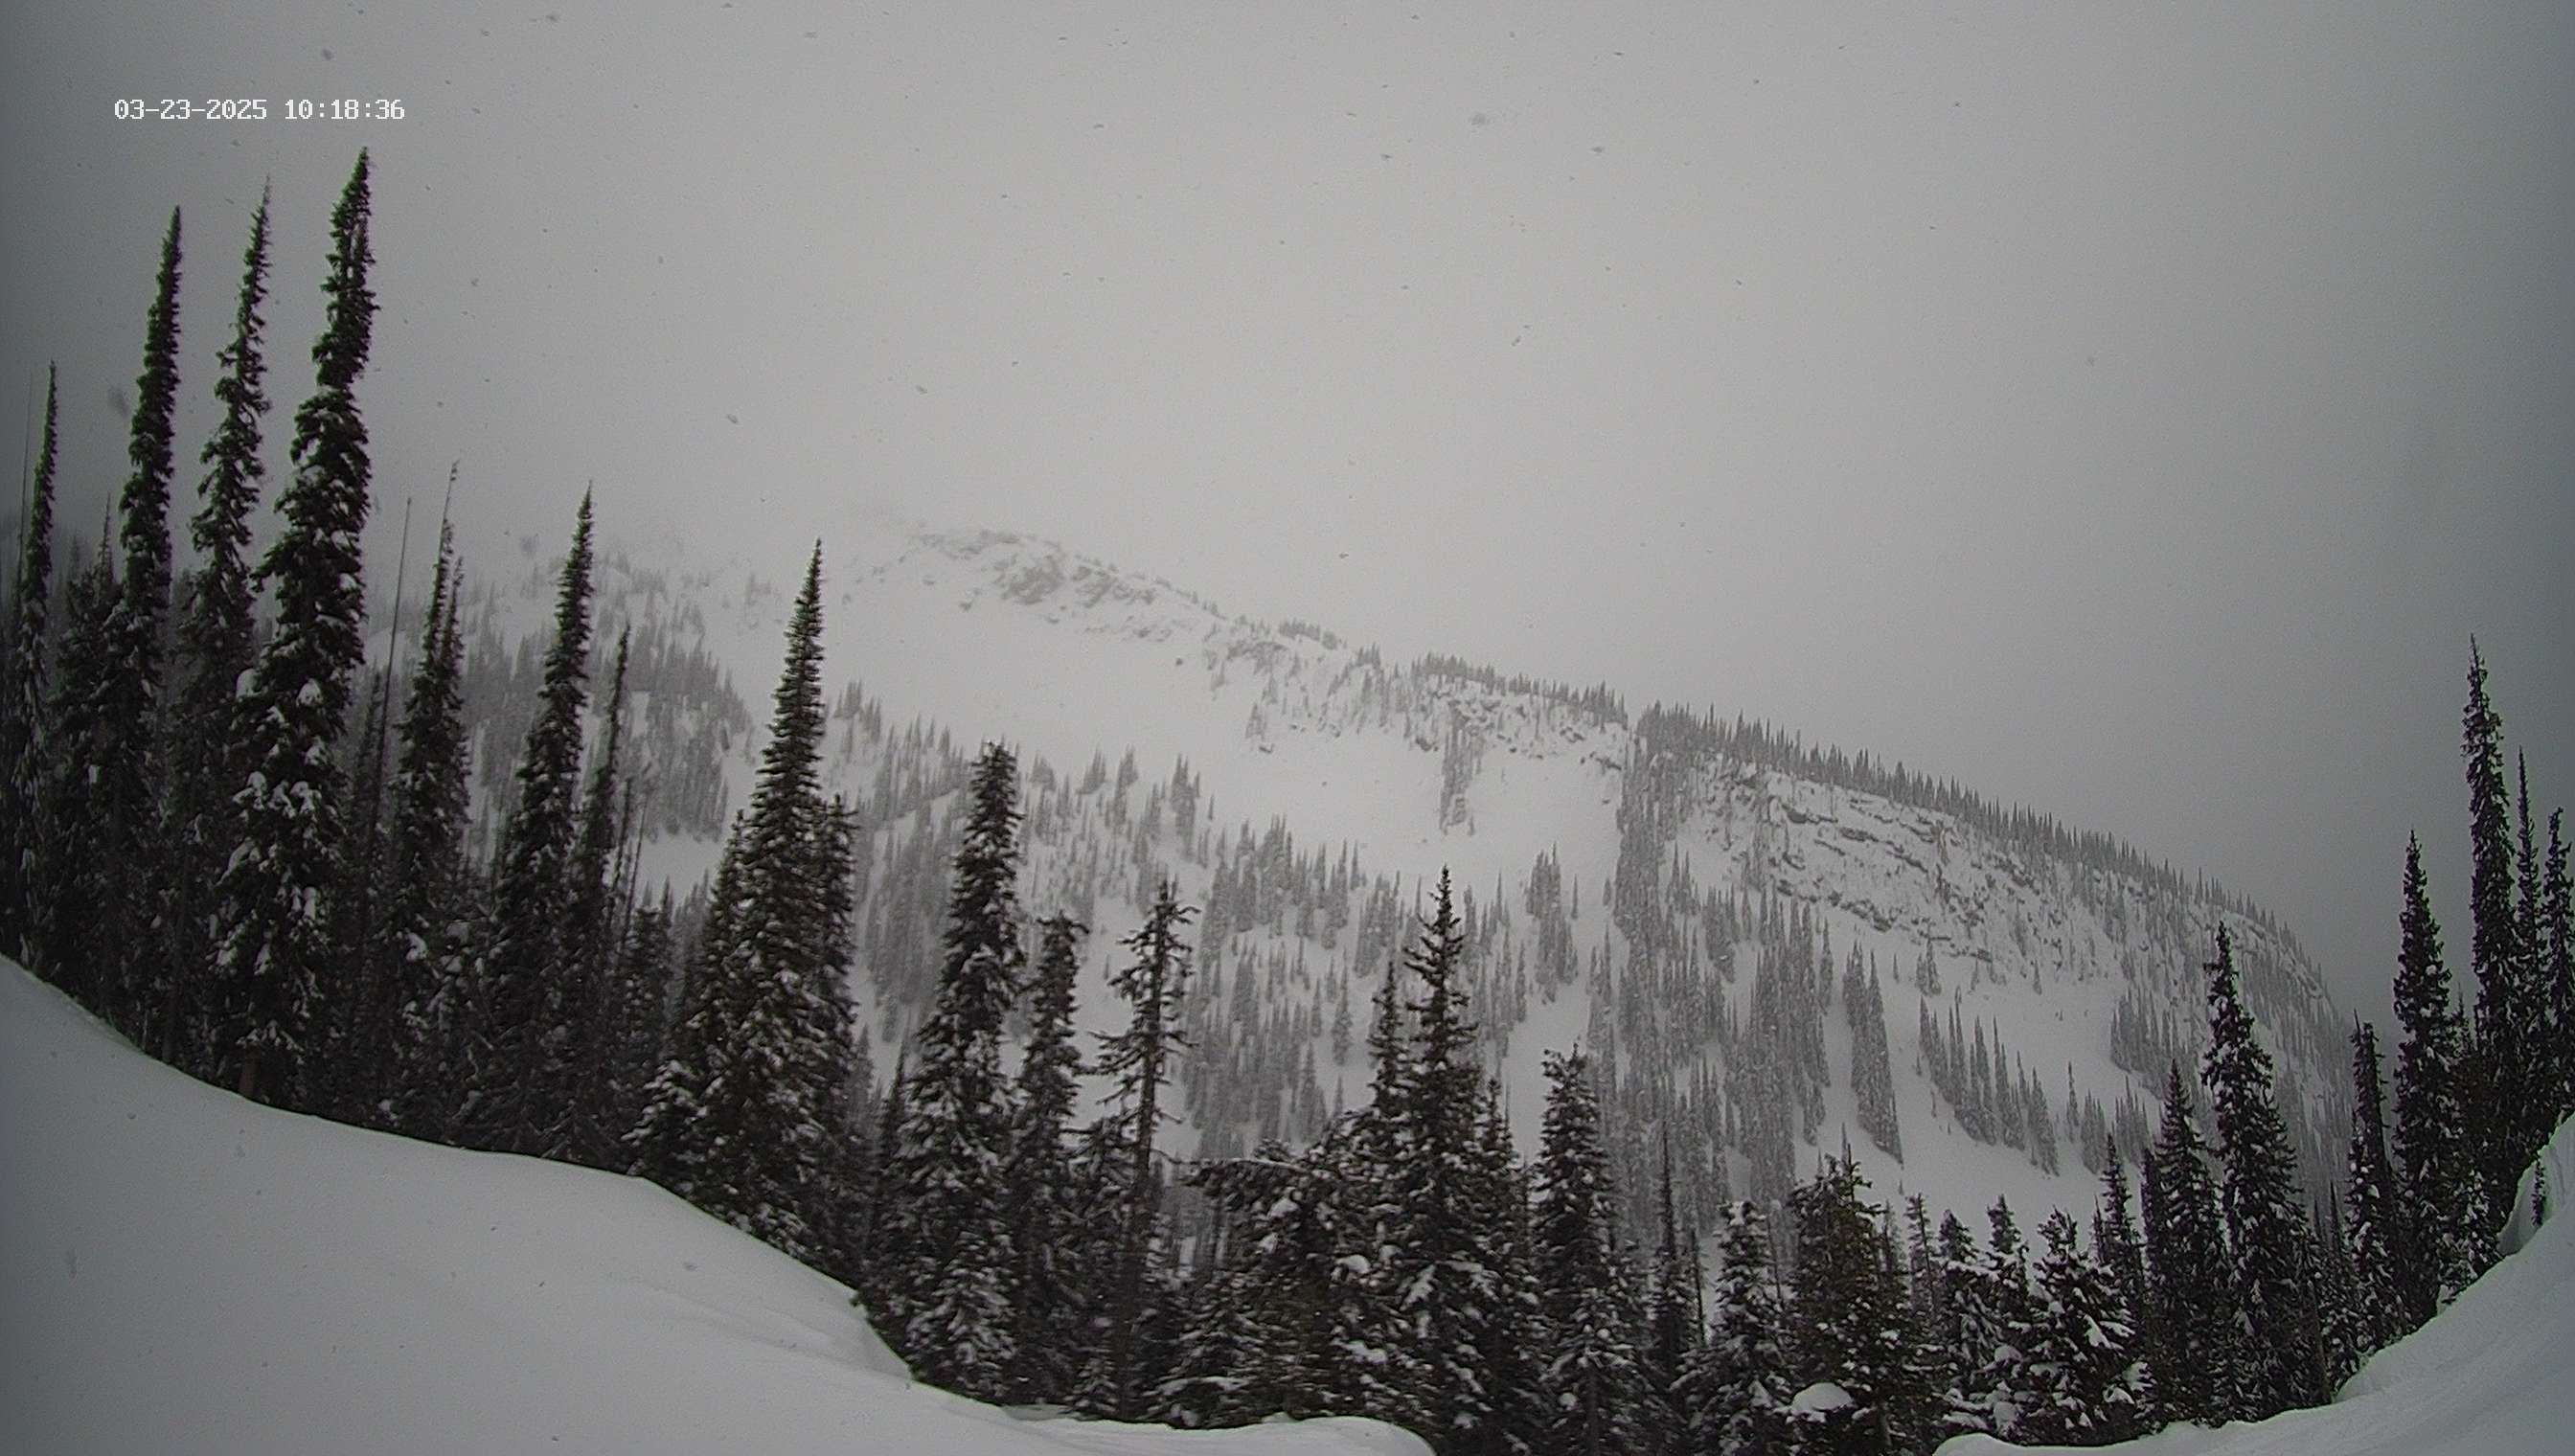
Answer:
[(1328, 779)]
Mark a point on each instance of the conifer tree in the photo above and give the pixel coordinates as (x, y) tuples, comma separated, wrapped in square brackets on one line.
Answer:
[(1998, 1315), (68, 880), (123, 757), (415, 964), (1671, 1301), (206, 767), (1736, 1394), (2090, 1382), (1139, 1058), (2498, 1075), (578, 1052), (273, 916), (1872, 1080), (2434, 1171), (1593, 1365), (1511, 1364), (943, 1278), (1050, 1230), (2375, 1240), (770, 1155), (2557, 919), (2115, 1243), (24, 694), (636, 997), (2192, 1295), (1442, 1284), (1850, 1325), (519, 1008), (2267, 1231)]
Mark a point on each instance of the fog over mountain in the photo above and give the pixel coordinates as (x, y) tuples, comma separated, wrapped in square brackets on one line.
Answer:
[(2128, 413)]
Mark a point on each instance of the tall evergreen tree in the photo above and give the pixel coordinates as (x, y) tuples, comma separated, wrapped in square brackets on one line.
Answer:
[(521, 1009), (2191, 1289), (24, 693), (1672, 1300), (1736, 1392), (2376, 1239), (767, 1058), (1445, 1288), (2434, 1168), (1139, 1058), (634, 1014), (1050, 1229), (206, 766), (68, 878), (578, 1052), (2498, 1078), (418, 969), (124, 757), (2267, 1231), (946, 1298), (273, 918), (1593, 1365), (2115, 1245), (2557, 920)]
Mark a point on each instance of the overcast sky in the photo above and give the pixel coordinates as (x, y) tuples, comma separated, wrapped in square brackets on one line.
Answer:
[(2129, 411)]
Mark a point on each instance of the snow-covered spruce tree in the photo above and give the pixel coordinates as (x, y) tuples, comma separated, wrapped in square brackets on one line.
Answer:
[(637, 995), (273, 922), (2122, 1256), (24, 694), (1735, 1391), (1139, 1058), (519, 1010), (1050, 1230), (578, 1053), (2268, 1235), (2191, 1300), (2375, 1234), (1444, 1290), (418, 967), (2343, 1328), (763, 1059), (124, 757), (1513, 1365), (205, 764), (1872, 1079), (2496, 1080), (1593, 1364), (1850, 1338), (2090, 1380), (942, 1285), (2434, 1170), (1996, 1316)]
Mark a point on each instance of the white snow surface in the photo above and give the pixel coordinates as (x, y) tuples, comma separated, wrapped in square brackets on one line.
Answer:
[(188, 1271), (2490, 1376)]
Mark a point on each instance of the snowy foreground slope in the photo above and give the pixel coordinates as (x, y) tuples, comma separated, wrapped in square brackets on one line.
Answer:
[(181, 1270), (2494, 1375)]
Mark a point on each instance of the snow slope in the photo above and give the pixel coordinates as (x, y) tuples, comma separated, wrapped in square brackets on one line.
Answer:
[(1408, 771), (187, 1271), (2488, 1377)]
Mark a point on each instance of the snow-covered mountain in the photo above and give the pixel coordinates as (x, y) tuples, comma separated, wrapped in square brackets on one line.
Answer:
[(1695, 898)]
